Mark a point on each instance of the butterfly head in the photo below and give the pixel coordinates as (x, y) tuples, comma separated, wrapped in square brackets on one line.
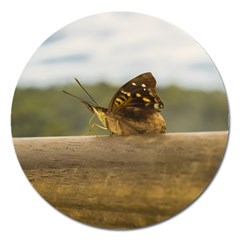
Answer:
[(98, 111)]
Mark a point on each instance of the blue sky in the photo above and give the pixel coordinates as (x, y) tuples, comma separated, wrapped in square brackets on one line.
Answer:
[(117, 47)]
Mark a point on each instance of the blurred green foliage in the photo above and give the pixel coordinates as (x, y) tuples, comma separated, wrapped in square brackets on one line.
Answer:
[(50, 112)]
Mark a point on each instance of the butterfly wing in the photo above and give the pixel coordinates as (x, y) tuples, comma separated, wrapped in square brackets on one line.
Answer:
[(137, 97)]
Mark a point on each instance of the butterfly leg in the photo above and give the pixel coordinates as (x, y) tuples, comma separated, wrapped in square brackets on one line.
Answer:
[(91, 126), (99, 126)]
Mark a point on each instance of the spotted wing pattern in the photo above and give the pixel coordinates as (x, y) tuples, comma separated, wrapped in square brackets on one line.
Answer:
[(137, 97)]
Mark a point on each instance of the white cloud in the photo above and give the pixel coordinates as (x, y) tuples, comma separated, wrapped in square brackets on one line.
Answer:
[(120, 46)]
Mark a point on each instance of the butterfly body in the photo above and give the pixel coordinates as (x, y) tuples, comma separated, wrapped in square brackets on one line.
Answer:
[(134, 109), (154, 123)]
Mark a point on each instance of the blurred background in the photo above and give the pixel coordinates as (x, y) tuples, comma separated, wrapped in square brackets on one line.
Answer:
[(104, 51)]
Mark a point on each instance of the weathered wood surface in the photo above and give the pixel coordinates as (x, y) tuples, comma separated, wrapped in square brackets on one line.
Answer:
[(122, 182)]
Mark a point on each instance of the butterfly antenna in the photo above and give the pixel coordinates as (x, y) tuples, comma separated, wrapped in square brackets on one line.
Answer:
[(73, 95), (85, 90)]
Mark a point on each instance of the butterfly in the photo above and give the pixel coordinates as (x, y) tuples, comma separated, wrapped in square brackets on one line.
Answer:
[(134, 109)]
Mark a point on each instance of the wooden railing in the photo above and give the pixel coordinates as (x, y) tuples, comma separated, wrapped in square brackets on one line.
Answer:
[(122, 182)]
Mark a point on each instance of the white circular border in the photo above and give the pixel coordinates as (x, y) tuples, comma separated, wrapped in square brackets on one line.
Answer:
[(25, 25)]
